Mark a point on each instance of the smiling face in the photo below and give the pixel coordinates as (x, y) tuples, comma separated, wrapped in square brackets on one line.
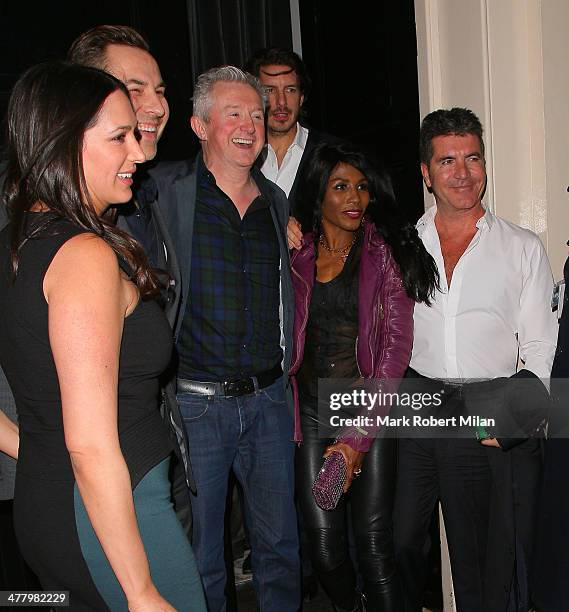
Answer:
[(456, 172), (111, 152), (138, 70), (345, 200), (234, 133), (284, 97)]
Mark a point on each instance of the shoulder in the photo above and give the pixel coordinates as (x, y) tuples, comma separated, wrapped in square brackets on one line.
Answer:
[(374, 242), (159, 182), (268, 188), (86, 255), (525, 237), (306, 252), (169, 172), (84, 274), (379, 255)]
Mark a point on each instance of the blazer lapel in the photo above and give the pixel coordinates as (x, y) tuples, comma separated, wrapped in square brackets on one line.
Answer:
[(185, 206)]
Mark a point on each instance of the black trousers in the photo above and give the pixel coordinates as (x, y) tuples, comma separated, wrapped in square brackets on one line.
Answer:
[(488, 495), (371, 504), (457, 472)]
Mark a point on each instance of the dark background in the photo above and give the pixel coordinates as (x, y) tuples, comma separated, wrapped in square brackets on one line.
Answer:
[(362, 59)]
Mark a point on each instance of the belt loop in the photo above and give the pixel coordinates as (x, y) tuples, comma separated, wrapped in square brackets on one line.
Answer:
[(256, 385)]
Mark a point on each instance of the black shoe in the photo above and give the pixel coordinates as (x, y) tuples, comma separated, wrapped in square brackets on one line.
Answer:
[(309, 588), (359, 607), (433, 600)]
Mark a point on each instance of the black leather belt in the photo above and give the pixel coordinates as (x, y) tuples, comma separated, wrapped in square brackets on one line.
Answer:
[(231, 388)]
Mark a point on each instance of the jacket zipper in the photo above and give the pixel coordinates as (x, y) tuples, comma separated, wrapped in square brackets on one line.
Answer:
[(375, 331), (306, 307)]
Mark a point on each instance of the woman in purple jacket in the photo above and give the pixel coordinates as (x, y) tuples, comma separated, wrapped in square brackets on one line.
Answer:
[(356, 276)]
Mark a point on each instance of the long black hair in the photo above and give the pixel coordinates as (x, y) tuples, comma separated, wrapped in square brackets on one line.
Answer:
[(418, 269), (51, 107)]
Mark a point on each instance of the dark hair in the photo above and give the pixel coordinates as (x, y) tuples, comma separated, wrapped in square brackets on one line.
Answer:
[(51, 107), (443, 122), (90, 48), (280, 57), (418, 269)]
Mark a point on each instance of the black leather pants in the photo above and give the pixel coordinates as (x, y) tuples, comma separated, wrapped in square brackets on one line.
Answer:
[(371, 499)]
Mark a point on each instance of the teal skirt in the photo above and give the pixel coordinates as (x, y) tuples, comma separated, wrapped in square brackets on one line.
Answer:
[(170, 556)]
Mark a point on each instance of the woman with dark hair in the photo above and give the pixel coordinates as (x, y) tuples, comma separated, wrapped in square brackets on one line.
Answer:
[(82, 343), (356, 276)]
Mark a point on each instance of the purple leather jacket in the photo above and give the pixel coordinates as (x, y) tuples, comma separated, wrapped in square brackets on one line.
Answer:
[(385, 321)]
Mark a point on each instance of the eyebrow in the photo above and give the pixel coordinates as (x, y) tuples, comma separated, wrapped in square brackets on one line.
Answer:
[(339, 177), (454, 155), (238, 106), (285, 70), (144, 83), (121, 128)]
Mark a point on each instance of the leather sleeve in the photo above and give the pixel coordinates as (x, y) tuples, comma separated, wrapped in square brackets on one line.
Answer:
[(393, 352)]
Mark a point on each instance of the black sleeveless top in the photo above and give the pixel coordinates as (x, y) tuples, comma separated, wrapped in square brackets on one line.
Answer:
[(27, 360), (331, 333)]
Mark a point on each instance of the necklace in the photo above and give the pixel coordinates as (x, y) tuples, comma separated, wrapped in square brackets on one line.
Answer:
[(342, 252)]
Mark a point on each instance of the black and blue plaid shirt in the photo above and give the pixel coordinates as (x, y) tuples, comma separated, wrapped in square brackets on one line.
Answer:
[(231, 327)]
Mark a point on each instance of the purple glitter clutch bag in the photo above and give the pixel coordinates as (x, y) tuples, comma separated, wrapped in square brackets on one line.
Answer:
[(329, 484)]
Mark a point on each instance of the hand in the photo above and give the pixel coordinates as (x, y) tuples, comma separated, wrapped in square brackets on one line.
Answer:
[(353, 459), (491, 442), (294, 234), (150, 601)]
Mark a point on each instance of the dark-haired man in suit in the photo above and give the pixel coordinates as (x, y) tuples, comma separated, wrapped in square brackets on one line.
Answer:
[(289, 143)]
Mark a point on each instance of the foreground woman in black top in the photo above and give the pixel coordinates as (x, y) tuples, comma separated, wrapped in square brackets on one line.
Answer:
[(82, 344)]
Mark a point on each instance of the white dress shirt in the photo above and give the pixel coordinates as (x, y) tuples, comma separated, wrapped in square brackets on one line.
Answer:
[(498, 307), (285, 175)]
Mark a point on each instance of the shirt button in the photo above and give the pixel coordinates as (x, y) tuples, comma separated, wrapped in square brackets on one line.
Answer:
[(244, 346), (245, 308)]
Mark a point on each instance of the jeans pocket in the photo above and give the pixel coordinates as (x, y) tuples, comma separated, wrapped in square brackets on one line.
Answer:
[(193, 407), (275, 393)]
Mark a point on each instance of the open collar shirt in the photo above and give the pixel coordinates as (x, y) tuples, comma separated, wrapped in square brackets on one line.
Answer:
[(231, 325), (497, 308), (285, 175)]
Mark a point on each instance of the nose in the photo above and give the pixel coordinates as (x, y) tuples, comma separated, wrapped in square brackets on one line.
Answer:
[(154, 104), (461, 169), (136, 154), (248, 125), (354, 195), (281, 97)]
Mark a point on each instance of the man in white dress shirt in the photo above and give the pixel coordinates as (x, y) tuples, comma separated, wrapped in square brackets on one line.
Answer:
[(493, 308), (289, 144)]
